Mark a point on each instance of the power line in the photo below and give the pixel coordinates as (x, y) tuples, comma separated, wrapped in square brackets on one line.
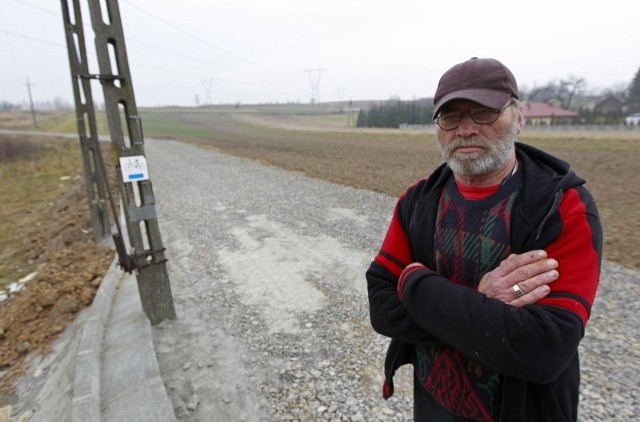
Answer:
[(190, 74), (164, 50), (196, 37), (27, 37), (37, 7), (148, 45), (245, 77)]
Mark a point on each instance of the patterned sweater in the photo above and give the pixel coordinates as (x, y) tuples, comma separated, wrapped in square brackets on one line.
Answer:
[(532, 349)]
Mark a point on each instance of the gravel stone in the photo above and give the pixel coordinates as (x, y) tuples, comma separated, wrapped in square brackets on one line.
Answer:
[(270, 352)]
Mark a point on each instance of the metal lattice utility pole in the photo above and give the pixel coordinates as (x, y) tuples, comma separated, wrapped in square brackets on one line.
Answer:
[(207, 83), (33, 109), (136, 193), (314, 78), (93, 164)]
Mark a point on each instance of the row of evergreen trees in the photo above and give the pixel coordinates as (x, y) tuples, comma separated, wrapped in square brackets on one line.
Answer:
[(591, 117), (394, 113)]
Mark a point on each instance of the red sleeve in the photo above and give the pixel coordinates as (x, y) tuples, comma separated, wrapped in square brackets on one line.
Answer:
[(578, 259), (394, 253)]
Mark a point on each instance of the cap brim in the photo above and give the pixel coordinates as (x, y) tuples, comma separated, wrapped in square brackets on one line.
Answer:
[(485, 97)]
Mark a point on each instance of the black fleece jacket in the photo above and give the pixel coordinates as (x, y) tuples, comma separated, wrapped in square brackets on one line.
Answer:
[(535, 347)]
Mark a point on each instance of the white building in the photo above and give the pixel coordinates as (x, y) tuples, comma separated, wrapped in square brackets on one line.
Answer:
[(632, 119)]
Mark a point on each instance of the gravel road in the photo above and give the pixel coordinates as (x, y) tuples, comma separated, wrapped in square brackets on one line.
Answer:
[(267, 271)]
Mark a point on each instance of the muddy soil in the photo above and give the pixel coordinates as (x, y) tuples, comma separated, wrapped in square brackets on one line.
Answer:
[(69, 267)]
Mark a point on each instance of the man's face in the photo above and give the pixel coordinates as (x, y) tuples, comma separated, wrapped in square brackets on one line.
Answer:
[(474, 149)]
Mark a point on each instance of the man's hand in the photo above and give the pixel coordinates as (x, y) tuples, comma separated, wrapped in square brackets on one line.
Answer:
[(531, 271)]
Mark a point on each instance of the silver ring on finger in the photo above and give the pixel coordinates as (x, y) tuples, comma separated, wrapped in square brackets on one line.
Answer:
[(517, 290)]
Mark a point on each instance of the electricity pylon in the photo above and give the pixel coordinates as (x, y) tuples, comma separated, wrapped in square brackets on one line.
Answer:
[(314, 78)]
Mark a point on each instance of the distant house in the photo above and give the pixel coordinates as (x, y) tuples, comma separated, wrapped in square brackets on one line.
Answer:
[(536, 114), (609, 104), (601, 105), (632, 119)]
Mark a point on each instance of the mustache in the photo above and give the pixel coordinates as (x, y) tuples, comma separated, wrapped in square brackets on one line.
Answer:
[(468, 142), (456, 143)]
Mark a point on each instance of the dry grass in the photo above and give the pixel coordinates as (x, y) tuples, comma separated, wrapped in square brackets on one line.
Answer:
[(34, 172), (44, 231)]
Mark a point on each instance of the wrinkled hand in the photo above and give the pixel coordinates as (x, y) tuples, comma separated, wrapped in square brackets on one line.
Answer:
[(532, 271)]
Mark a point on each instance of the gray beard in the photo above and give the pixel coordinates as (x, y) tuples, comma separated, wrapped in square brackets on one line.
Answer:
[(492, 157)]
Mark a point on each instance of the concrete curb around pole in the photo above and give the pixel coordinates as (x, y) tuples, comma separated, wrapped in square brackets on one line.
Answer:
[(86, 404), (117, 376)]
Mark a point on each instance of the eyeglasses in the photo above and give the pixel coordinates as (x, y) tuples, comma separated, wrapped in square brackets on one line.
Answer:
[(480, 115)]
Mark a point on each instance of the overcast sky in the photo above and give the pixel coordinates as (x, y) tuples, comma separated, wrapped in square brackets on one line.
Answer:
[(265, 51)]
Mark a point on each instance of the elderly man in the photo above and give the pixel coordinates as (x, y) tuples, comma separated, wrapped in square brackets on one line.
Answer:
[(486, 276)]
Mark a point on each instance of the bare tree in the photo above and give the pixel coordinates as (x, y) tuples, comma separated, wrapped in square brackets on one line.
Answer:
[(561, 91), (568, 89)]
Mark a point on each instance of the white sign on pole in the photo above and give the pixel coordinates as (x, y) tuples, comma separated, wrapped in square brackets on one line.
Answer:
[(134, 168)]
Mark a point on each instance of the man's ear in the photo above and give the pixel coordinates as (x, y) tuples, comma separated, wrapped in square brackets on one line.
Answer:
[(520, 122)]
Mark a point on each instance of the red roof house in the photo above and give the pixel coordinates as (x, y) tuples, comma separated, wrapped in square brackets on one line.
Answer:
[(546, 114)]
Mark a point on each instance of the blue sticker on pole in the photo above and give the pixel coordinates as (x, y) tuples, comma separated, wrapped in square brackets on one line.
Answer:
[(134, 168)]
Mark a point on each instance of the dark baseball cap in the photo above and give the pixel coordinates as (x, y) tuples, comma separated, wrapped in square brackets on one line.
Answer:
[(484, 81)]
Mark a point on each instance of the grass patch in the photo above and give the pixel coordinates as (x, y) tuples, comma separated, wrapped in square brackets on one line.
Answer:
[(169, 125), (38, 172), (49, 121)]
